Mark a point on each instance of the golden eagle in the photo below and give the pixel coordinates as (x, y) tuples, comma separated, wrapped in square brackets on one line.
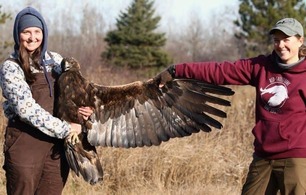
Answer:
[(133, 115)]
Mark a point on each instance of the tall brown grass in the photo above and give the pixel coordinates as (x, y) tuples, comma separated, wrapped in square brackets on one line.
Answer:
[(204, 163)]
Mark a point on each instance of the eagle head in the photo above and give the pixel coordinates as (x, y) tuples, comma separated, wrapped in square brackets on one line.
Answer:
[(70, 64)]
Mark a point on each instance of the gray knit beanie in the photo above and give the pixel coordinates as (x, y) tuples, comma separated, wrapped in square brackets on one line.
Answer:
[(29, 20)]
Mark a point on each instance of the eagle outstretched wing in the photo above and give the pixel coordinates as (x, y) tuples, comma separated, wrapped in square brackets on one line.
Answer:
[(133, 115), (143, 114)]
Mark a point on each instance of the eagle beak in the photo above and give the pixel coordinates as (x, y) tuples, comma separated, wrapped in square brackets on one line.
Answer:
[(67, 66)]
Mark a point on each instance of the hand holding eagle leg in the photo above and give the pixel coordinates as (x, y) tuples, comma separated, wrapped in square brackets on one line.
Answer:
[(76, 129)]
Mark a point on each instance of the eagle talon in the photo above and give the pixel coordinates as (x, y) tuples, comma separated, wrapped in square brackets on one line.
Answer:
[(73, 138)]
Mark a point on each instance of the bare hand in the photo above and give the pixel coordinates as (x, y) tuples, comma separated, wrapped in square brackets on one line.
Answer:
[(85, 112), (75, 130)]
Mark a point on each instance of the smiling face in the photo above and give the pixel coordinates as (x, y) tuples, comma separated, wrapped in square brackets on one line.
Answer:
[(31, 38), (287, 47)]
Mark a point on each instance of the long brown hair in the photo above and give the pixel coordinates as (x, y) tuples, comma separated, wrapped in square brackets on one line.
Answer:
[(26, 60)]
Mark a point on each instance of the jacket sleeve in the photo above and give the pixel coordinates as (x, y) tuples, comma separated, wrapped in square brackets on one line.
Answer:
[(221, 73), (19, 102)]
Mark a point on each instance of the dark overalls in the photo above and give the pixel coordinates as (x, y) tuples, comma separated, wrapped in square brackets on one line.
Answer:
[(34, 162)]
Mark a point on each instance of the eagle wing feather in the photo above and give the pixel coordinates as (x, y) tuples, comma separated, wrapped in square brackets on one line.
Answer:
[(133, 115), (143, 114)]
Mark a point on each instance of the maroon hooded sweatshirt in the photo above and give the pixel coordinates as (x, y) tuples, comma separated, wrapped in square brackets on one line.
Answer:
[(280, 129)]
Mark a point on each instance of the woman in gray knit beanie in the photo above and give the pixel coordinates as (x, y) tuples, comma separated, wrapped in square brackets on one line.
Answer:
[(33, 149)]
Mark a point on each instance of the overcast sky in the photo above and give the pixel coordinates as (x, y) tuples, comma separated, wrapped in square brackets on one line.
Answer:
[(174, 12)]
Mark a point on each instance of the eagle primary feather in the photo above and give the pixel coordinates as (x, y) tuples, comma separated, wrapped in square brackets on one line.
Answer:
[(136, 114)]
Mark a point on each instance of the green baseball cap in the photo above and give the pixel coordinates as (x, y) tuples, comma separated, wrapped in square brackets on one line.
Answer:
[(289, 26)]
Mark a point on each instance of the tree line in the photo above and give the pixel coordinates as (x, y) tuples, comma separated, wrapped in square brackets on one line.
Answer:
[(135, 42)]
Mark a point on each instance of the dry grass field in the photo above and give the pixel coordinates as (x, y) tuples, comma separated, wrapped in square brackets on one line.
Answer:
[(202, 164)]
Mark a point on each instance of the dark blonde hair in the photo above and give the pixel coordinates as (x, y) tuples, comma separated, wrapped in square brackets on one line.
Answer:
[(26, 60), (302, 51)]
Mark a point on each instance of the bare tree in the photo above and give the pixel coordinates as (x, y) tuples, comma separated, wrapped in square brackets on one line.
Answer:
[(221, 44), (79, 37), (200, 41), (188, 45), (195, 38), (5, 41)]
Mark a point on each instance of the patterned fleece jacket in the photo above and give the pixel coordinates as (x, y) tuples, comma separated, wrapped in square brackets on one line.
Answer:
[(19, 101)]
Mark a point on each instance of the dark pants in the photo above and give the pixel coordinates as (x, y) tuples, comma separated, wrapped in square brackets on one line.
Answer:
[(267, 177), (34, 162)]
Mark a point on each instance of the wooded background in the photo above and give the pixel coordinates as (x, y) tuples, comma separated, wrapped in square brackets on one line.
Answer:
[(213, 163)]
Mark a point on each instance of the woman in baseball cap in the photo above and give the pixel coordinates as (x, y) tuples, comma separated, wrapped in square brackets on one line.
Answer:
[(279, 158)]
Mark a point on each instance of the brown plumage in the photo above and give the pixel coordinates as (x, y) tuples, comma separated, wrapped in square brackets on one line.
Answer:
[(133, 115), (73, 91)]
